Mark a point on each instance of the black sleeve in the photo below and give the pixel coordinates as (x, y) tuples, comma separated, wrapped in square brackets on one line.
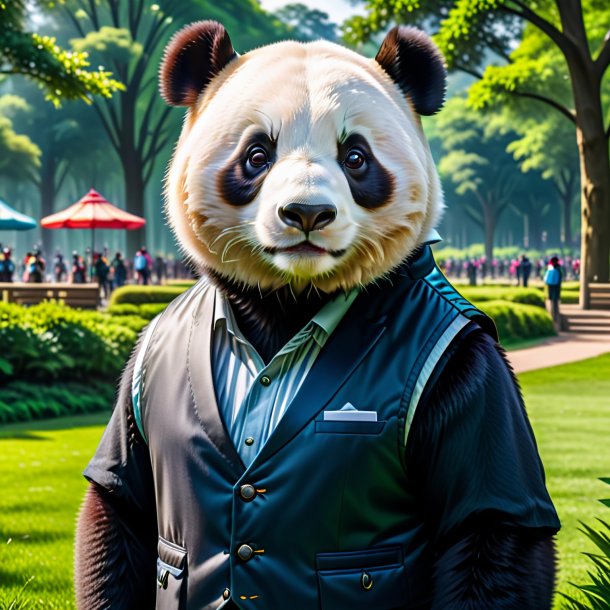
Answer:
[(116, 537), (474, 463), (471, 448), (121, 463)]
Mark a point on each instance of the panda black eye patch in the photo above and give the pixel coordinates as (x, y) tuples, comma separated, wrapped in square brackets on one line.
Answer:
[(370, 183), (240, 181)]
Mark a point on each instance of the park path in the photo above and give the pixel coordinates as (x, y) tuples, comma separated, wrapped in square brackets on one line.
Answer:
[(588, 335)]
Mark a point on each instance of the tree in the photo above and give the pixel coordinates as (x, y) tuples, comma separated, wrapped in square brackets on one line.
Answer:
[(477, 164), (19, 156), (577, 30), (130, 37), (61, 73), (308, 23), (545, 146)]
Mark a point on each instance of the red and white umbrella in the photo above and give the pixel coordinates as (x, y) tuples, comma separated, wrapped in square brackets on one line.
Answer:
[(92, 212)]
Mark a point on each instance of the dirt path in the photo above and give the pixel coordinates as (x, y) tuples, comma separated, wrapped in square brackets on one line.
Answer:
[(589, 336)]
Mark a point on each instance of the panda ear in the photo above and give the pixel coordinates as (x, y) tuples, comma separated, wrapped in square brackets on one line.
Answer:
[(416, 65), (193, 57)]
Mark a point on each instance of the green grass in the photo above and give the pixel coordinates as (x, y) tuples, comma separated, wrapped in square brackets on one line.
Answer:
[(569, 407), (40, 465)]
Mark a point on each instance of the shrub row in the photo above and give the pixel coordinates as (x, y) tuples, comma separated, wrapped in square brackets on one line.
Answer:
[(146, 310), (24, 401), (52, 342), (146, 294), (526, 296), (517, 321)]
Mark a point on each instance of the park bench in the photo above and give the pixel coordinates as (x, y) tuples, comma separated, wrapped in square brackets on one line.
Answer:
[(599, 296), (74, 295)]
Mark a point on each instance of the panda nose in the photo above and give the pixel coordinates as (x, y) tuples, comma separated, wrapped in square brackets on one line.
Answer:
[(307, 216)]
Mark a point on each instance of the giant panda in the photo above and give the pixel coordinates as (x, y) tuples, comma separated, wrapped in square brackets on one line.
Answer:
[(322, 421)]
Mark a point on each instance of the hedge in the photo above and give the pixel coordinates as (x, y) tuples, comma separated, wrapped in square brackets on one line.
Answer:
[(145, 294), (51, 342), (146, 310), (517, 321), (526, 296), (24, 401)]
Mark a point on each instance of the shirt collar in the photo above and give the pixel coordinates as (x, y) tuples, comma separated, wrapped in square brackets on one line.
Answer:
[(327, 319)]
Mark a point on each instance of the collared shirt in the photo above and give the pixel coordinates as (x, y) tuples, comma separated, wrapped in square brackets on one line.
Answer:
[(252, 396)]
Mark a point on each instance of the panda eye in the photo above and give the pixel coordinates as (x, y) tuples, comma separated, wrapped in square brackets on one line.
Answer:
[(257, 158), (355, 160)]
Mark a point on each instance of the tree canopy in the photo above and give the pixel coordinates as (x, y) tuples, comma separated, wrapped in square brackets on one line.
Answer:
[(62, 73), (518, 48)]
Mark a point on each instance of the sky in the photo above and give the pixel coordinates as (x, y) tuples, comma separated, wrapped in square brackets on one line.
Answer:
[(338, 10)]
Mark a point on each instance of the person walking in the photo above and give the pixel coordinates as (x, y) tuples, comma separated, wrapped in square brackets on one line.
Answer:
[(119, 271), (552, 279), (101, 269), (59, 267), (36, 266), (79, 272), (525, 269), (142, 264), (7, 266)]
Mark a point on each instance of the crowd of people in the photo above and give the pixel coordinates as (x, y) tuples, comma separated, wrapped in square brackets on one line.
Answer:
[(109, 272), (518, 270)]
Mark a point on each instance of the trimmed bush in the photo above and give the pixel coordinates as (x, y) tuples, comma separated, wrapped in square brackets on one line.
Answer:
[(517, 321), (145, 294), (147, 310), (24, 401), (570, 297), (526, 296), (52, 342)]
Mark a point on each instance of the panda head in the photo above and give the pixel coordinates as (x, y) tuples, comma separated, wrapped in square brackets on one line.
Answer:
[(301, 164)]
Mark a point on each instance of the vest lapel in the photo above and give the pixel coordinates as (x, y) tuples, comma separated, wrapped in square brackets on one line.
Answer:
[(343, 352), (202, 381)]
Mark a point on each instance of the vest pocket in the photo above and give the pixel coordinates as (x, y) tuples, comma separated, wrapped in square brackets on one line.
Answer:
[(362, 580), (171, 576)]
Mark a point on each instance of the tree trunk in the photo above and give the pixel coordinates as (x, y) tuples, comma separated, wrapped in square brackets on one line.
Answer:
[(490, 228), (133, 171), (567, 198), (134, 201), (47, 199), (592, 149)]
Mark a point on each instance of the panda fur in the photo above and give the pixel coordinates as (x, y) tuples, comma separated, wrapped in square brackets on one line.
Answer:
[(303, 171)]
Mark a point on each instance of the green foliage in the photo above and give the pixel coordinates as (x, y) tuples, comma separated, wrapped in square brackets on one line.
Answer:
[(480, 294), (569, 297), (145, 294), (25, 401), (308, 23), (517, 321), (19, 156), (51, 342), (597, 592), (115, 44), (61, 73), (19, 601), (145, 310)]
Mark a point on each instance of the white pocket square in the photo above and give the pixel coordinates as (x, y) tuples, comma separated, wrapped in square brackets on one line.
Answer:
[(349, 413)]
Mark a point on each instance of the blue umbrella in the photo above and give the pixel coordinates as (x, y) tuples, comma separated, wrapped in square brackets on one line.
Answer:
[(12, 220)]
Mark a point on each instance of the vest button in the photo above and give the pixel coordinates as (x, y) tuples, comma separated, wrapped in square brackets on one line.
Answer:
[(247, 492), (245, 552), (366, 580), (249, 441), (265, 380), (226, 594)]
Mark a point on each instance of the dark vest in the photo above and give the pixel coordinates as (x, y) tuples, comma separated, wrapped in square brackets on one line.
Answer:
[(323, 518)]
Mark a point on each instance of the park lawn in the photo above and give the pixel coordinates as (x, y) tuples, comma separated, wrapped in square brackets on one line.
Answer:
[(40, 465)]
